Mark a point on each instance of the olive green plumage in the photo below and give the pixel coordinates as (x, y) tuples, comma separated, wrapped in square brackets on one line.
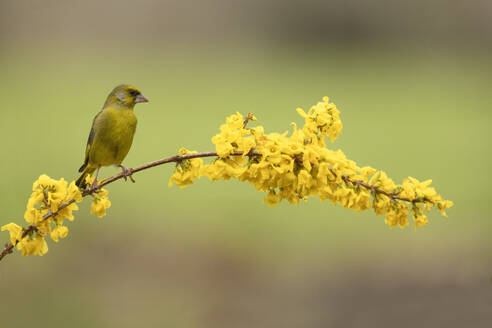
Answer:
[(112, 131)]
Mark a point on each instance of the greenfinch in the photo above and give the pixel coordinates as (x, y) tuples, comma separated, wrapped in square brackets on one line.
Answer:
[(112, 133)]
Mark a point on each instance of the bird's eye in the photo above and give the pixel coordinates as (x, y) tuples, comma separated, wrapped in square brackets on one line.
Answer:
[(134, 93)]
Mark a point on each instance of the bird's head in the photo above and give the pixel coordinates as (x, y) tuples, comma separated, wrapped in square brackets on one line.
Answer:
[(125, 95)]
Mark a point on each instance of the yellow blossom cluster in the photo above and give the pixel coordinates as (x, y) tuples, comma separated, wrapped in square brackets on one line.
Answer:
[(186, 170), (296, 166), (100, 203), (51, 202)]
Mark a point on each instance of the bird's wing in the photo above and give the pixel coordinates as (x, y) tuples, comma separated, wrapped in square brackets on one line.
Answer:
[(89, 143)]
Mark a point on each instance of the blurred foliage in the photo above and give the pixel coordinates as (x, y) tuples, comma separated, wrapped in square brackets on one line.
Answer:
[(420, 22)]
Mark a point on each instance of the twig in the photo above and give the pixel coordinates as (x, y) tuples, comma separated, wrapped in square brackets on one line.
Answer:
[(8, 248), (248, 118), (374, 189)]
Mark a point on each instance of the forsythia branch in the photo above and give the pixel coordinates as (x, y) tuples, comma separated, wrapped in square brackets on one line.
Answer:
[(285, 167), (8, 248)]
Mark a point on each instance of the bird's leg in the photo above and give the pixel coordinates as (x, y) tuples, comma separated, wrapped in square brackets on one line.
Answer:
[(94, 184), (126, 173)]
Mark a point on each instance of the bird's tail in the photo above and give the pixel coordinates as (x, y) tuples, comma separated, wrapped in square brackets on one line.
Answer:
[(81, 180)]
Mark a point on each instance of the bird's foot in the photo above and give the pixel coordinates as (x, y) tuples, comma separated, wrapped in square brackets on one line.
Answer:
[(126, 173), (94, 184)]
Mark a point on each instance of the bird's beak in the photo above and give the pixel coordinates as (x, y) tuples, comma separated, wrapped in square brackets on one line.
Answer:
[(141, 98)]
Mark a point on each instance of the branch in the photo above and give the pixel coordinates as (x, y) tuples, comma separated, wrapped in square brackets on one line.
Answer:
[(8, 248), (376, 190)]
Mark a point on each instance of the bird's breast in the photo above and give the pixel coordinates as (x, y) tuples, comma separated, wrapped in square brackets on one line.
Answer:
[(124, 124), (115, 130)]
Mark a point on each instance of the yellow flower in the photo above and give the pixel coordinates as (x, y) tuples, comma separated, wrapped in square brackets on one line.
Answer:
[(44, 227), (33, 216), (36, 198), (187, 170), (43, 181), (15, 232), (301, 112), (420, 221), (59, 232), (408, 190), (74, 193), (53, 192), (33, 246), (381, 205), (271, 198), (100, 203), (99, 207), (66, 212)]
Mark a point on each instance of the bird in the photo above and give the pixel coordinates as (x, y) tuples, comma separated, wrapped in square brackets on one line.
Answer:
[(112, 133)]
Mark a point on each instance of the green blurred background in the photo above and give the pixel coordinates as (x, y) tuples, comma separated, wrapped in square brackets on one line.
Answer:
[(412, 80)]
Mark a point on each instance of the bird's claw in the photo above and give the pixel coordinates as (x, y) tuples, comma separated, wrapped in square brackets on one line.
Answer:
[(127, 174), (94, 185)]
